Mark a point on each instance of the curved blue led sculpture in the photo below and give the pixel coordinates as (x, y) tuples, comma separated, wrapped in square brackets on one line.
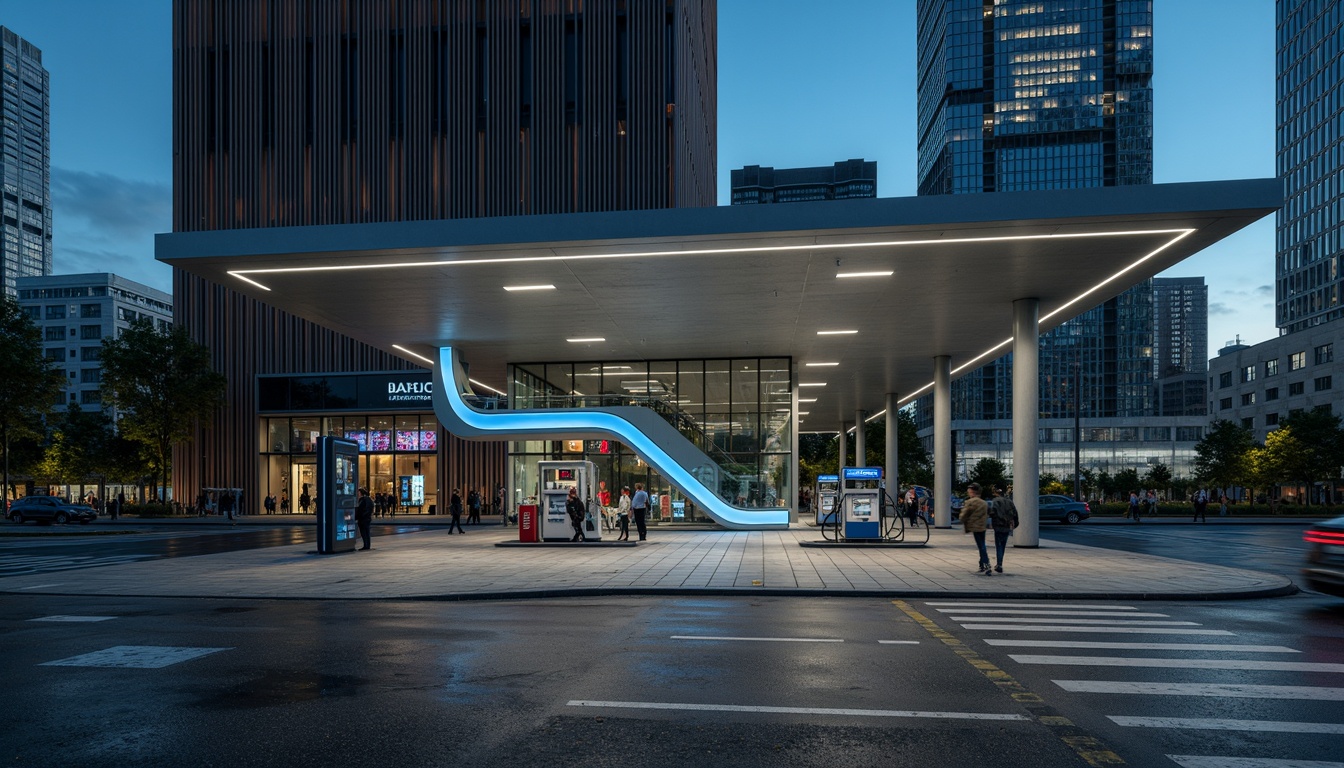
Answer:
[(659, 443)]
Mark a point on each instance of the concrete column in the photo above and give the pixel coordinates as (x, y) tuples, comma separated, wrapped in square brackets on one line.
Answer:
[(796, 485), (1026, 410), (942, 441), (890, 471), (860, 441), (844, 448)]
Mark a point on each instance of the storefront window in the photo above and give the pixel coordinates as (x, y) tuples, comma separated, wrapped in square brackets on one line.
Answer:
[(305, 433), (277, 436)]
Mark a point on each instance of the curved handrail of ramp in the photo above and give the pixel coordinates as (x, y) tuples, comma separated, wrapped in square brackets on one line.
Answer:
[(682, 464)]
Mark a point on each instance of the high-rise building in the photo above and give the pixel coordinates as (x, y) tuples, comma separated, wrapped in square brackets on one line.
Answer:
[(1018, 95), (1180, 345), (76, 312), (845, 180), (25, 162), (1308, 267), (363, 111)]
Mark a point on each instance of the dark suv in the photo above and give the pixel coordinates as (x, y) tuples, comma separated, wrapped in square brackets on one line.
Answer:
[(49, 509)]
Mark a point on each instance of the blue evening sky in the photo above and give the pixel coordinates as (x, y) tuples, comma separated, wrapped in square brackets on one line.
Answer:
[(800, 83)]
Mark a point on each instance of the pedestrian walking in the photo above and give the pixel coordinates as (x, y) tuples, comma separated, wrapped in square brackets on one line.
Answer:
[(1222, 505), (1133, 510), (269, 504), (1201, 505), (455, 509), (974, 520), (1003, 519), (574, 508), (640, 504), (912, 507), (474, 507), (226, 504), (364, 516), (623, 514)]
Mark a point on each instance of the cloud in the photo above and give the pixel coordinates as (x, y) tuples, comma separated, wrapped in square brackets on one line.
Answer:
[(1265, 290), (105, 223), (1219, 308)]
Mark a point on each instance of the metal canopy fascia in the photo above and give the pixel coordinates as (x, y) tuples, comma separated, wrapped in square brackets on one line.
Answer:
[(740, 281)]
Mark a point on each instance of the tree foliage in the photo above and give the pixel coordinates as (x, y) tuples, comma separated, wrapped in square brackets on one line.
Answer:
[(30, 384), (988, 472), (1221, 456), (1158, 476), (162, 382), (820, 453)]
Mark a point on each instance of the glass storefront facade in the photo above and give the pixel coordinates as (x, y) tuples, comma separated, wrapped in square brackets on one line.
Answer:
[(738, 411)]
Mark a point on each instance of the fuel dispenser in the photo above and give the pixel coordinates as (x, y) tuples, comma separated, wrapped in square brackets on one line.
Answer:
[(861, 502), (556, 478), (828, 487)]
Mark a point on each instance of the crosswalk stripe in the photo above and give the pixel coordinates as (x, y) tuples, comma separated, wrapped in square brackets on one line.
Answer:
[(1119, 646), (796, 710), (761, 639), (1108, 630), (1220, 761), (1215, 724), (1237, 664), (1216, 690), (1031, 612), (1037, 605), (1122, 620)]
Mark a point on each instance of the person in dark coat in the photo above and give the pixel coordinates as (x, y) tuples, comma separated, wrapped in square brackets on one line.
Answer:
[(455, 509), (364, 516), (1003, 519), (574, 508)]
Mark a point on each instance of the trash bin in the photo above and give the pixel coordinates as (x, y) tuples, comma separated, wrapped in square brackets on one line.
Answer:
[(433, 509)]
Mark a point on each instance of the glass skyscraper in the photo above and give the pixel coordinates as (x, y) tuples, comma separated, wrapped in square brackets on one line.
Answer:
[(1310, 162), (25, 162), (1020, 95)]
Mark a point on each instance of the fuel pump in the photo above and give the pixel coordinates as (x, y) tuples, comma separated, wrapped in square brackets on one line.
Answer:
[(828, 487), (861, 502), (556, 478)]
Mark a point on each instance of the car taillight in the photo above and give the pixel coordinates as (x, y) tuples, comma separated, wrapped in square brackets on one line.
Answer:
[(1323, 537)]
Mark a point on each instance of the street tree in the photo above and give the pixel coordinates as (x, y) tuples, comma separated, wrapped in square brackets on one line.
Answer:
[(1277, 462), (1158, 476), (1221, 456), (988, 472), (1127, 480), (1321, 447), (162, 383), (30, 385)]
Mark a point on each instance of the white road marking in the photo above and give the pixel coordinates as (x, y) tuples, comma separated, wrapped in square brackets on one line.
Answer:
[(1118, 646), (795, 710), (1238, 664), (74, 618), (1119, 620), (1028, 611), (1039, 605), (1220, 761), (1215, 690), (762, 639), (898, 642), (134, 657), (1214, 724), (1108, 630)]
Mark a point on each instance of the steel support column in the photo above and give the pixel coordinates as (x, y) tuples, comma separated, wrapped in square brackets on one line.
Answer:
[(942, 441), (1026, 411)]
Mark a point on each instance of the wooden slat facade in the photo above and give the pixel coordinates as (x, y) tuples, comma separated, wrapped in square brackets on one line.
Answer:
[(309, 112)]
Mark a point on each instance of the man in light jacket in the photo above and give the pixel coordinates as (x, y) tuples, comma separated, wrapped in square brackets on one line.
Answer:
[(974, 517)]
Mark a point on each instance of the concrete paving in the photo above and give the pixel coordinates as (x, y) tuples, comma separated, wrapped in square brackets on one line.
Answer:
[(431, 564)]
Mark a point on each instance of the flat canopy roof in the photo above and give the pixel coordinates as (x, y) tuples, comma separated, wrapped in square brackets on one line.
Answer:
[(740, 281)]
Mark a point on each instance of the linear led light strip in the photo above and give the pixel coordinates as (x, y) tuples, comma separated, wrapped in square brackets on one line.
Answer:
[(431, 362), (1181, 235), (241, 274)]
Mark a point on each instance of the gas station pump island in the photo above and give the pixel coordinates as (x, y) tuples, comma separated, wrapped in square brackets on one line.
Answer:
[(861, 502), (828, 487), (556, 478)]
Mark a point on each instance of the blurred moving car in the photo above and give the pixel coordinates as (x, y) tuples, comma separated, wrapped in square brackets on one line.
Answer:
[(49, 509), (1324, 571), (1062, 509)]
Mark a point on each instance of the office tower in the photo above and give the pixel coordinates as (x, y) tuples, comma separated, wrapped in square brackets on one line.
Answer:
[(1019, 95), (290, 114), (1181, 343), (25, 162), (76, 312), (1310, 153), (843, 181)]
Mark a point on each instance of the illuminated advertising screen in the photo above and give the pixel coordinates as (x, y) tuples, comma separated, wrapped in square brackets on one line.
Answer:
[(408, 440), (337, 484), (412, 490), (429, 440), (380, 440), (358, 437)]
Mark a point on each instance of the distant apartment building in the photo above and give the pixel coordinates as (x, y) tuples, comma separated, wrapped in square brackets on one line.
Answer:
[(1180, 345), (1259, 386), (845, 180), (76, 312), (25, 162)]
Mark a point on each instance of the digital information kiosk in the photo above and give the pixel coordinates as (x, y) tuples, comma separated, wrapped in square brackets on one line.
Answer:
[(861, 502), (828, 487), (337, 483), (556, 478)]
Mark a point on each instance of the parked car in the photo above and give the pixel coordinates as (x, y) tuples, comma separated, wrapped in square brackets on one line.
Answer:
[(1063, 509), (49, 509), (1324, 571)]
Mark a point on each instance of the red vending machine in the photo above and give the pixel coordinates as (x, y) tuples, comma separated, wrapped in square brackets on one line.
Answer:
[(527, 522)]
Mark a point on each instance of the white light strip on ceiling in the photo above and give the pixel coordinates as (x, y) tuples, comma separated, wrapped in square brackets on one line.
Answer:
[(835, 333), (886, 273), (412, 354), (529, 287), (240, 273), (487, 386), (587, 340)]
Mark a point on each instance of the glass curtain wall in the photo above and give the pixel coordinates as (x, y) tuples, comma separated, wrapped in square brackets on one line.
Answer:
[(738, 411)]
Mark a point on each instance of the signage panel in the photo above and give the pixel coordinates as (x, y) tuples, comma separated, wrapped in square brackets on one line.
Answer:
[(337, 485), (863, 473)]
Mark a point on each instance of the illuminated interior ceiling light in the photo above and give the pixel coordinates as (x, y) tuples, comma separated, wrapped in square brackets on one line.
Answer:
[(413, 354), (807, 399), (783, 410), (586, 340), (803, 413), (887, 273), (820, 365), (813, 384), (835, 333), (529, 287), (487, 386)]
